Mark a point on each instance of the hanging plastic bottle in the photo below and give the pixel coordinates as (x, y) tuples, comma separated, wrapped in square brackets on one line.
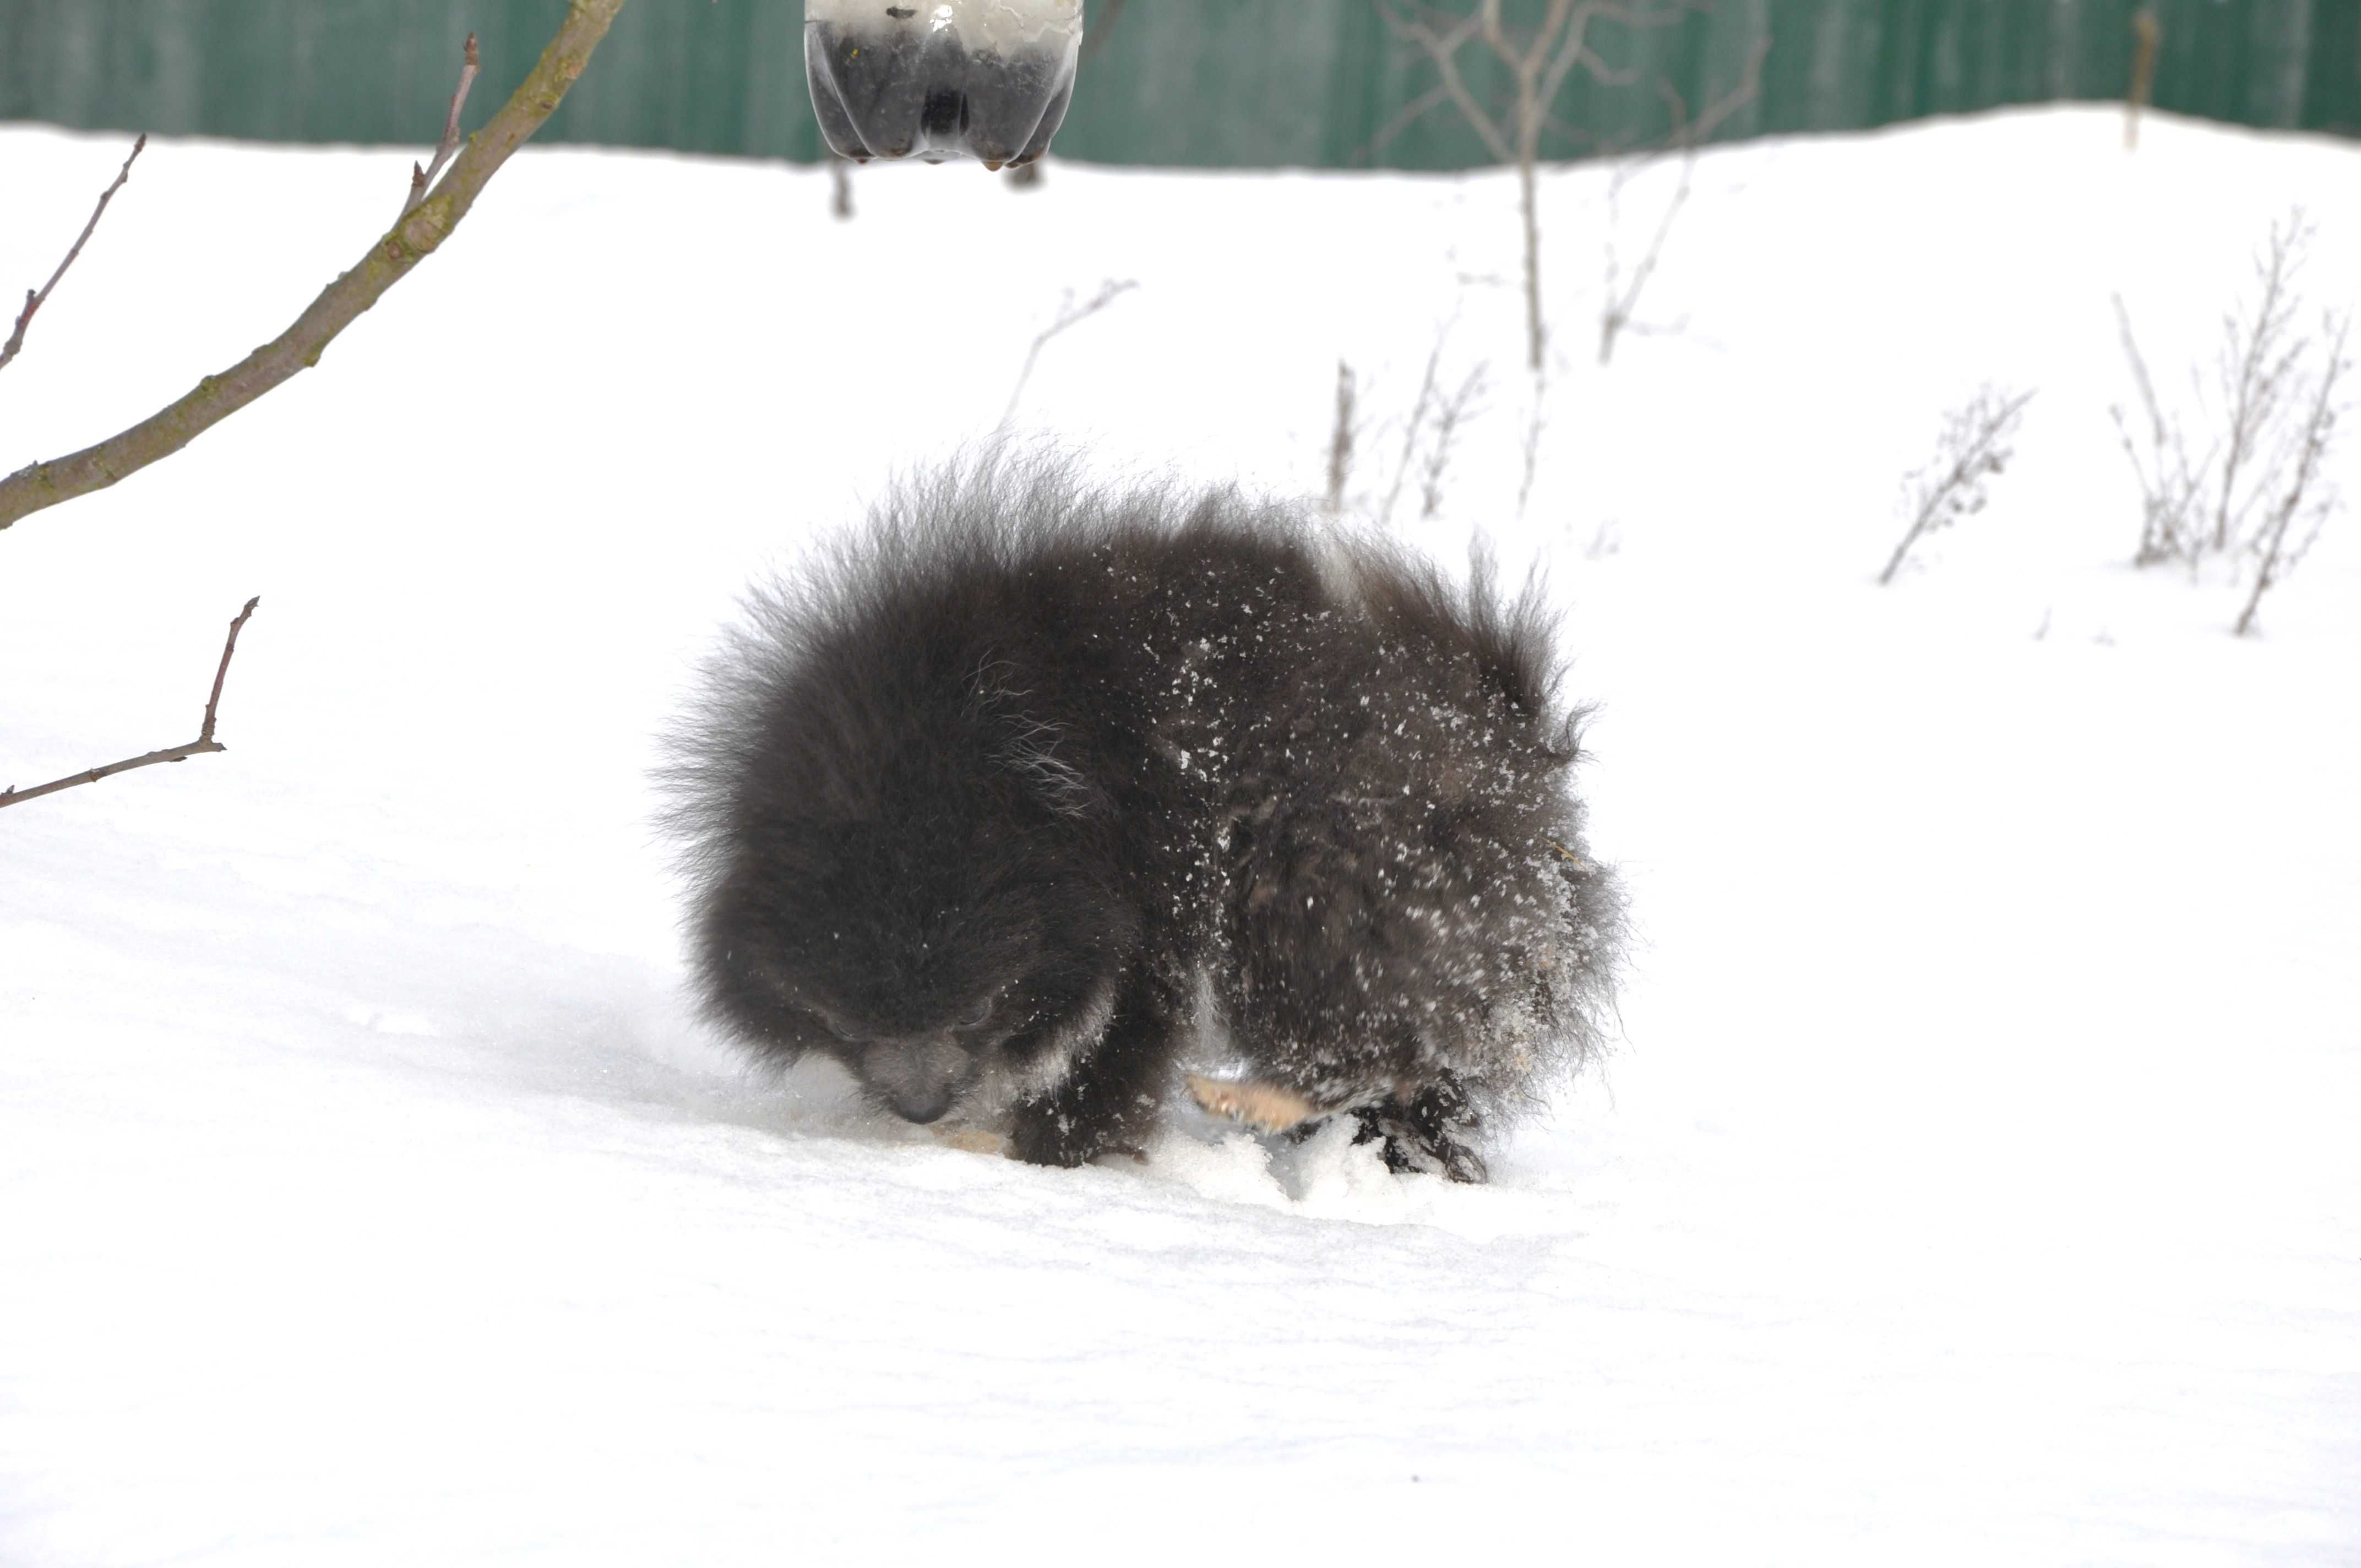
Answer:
[(941, 79)]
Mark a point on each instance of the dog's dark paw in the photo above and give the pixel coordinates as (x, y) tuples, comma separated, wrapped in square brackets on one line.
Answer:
[(1429, 1133)]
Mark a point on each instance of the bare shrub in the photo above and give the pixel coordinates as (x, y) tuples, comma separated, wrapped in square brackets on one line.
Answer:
[(1451, 414), (1973, 447), (1621, 298), (2172, 484), (2256, 368), (2307, 497), (2242, 477), (1448, 403), (1431, 432)]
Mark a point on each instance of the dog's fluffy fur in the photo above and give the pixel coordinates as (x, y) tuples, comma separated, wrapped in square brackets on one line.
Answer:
[(973, 804)]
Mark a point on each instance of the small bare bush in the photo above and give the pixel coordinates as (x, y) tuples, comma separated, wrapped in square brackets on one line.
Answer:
[(2173, 483), (2243, 477), (1447, 403), (2308, 497), (1975, 445), (1453, 413)]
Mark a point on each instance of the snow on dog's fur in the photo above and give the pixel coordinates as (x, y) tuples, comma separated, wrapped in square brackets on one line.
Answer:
[(970, 803)]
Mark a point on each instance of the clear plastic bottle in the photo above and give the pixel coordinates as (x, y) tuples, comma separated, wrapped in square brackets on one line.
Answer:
[(940, 79)]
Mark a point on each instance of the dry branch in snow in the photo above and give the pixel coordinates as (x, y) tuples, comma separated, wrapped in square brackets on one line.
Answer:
[(36, 299), (2256, 367), (1975, 446), (204, 742), (2171, 485), (2258, 489), (2305, 497)]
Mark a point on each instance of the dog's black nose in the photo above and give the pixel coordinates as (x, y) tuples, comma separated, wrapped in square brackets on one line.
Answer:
[(923, 1107), (937, 79), (920, 1078)]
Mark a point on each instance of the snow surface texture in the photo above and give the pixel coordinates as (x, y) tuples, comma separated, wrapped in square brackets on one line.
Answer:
[(1978, 1182)]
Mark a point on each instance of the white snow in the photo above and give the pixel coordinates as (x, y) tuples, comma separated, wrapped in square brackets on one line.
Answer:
[(1979, 1181)]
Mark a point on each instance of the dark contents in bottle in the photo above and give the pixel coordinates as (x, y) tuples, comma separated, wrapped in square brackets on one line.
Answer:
[(887, 89)]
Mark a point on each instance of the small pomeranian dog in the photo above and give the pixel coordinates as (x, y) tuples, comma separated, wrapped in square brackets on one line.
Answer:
[(996, 798)]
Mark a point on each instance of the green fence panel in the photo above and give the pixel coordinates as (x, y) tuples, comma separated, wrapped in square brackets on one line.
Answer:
[(1258, 83)]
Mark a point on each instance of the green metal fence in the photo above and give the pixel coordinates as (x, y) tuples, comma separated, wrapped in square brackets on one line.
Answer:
[(1319, 83)]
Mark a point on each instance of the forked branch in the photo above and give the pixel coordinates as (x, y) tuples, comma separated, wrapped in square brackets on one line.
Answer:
[(422, 179), (417, 234), (204, 742)]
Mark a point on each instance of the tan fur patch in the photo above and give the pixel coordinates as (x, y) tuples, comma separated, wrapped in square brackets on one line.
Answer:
[(1264, 1105), (974, 1140)]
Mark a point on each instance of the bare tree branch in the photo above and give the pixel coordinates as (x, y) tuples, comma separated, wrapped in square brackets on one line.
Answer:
[(204, 742), (1403, 118), (420, 180), (1615, 315), (1443, 49), (415, 237), (1538, 63), (1069, 314), (34, 299)]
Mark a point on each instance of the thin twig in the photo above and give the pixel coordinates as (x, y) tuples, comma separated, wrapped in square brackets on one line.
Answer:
[(204, 742), (1341, 440), (2274, 555), (422, 179), (2170, 484), (34, 301), (2256, 363), (1417, 420), (1069, 314), (1534, 426), (418, 235), (1974, 444), (1453, 412), (1615, 315)]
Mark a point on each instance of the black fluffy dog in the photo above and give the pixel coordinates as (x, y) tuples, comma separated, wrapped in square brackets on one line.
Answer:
[(973, 806)]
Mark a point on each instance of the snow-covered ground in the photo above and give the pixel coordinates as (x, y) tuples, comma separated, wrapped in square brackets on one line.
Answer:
[(1979, 1181)]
